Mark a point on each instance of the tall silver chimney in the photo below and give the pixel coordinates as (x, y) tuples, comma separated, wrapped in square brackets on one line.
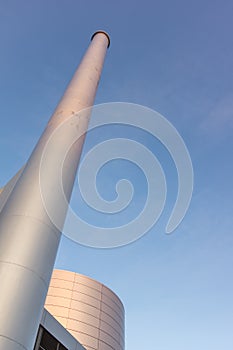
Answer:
[(28, 238)]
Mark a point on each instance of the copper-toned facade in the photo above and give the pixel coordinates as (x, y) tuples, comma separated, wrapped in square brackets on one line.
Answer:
[(90, 311)]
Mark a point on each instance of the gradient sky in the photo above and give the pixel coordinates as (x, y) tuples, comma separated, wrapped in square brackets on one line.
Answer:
[(176, 58)]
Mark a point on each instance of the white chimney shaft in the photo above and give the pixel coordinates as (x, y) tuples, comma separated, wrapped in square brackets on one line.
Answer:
[(28, 238)]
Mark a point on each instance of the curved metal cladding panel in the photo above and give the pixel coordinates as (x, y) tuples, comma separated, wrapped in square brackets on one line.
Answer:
[(90, 311)]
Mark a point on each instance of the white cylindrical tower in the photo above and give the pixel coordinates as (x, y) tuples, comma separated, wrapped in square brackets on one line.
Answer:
[(29, 238), (89, 310)]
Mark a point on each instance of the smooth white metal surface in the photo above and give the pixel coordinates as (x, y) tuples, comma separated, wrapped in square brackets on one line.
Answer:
[(28, 239)]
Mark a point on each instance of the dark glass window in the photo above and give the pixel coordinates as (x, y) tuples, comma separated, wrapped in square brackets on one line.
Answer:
[(46, 341), (61, 347)]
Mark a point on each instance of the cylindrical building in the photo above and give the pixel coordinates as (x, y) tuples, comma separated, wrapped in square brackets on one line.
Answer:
[(90, 311)]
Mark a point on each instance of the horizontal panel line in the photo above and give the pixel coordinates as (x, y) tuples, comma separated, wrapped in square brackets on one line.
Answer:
[(99, 329), (90, 296), (101, 311), (97, 338), (121, 307)]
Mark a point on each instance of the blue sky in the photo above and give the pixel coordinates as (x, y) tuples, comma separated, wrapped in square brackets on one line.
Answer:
[(176, 58)]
